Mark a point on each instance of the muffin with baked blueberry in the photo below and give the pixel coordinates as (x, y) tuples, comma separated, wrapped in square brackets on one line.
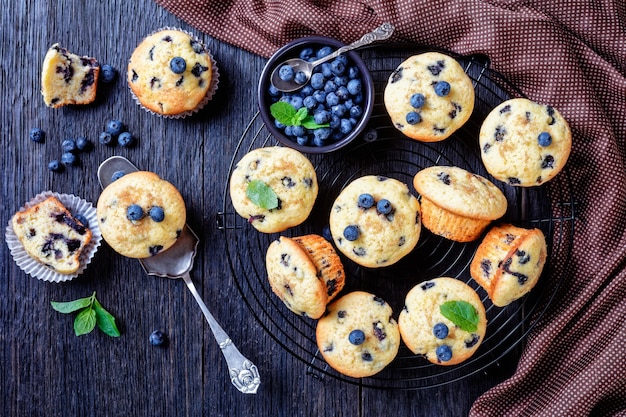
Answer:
[(172, 74)]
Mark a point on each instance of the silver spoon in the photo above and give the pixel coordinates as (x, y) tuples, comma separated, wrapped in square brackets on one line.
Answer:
[(384, 31), (176, 262)]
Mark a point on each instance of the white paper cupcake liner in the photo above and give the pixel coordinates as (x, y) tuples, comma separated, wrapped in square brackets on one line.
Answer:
[(215, 75), (33, 268)]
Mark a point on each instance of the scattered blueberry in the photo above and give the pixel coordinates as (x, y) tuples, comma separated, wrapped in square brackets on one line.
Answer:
[(444, 353), (83, 144), (544, 139), (178, 65), (37, 135), (126, 139), (68, 158), (107, 73), (106, 138), (354, 86), (55, 165), (326, 233), (383, 206), (356, 337), (134, 212), (417, 100), (158, 338), (69, 145), (351, 233), (442, 88), (285, 73), (157, 214), (413, 118), (82, 219), (117, 175), (114, 127), (440, 330), (366, 201)]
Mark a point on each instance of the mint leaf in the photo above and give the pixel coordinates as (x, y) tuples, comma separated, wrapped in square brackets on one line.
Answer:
[(300, 115), (105, 321), (71, 306), (461, 313), (283, 112), (309, 123), (262, 195), (85, 321)]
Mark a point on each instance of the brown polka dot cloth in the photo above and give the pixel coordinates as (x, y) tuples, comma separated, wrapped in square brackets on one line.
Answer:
[(570, 54)]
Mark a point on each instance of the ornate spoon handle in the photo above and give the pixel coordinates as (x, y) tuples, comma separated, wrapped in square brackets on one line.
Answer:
[(380, 33), (243, 373)]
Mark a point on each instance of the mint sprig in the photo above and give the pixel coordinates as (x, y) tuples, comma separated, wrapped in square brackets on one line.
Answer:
[(461, 313), (262, 195), (90, 314), (287, 115)]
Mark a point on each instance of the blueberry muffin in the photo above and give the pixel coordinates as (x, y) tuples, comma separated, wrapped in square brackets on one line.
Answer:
[(140, 214), (458, 204), (305, 273), (51, 235), (275, 188), (67, 78), (171, 73), (375, 221), (524, 143), (358, 336), (429, 97), (444, 320), (509, 262)]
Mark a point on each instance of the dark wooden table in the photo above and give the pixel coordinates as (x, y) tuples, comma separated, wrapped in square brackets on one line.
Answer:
[(45, 368)]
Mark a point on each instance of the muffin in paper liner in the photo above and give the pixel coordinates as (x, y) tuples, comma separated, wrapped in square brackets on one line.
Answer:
[(75, 205), (209, 93)]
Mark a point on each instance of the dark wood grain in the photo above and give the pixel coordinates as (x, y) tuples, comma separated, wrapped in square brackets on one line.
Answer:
[(45, 368)]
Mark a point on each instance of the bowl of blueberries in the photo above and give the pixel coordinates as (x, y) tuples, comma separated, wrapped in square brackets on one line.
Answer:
[(327, 110)]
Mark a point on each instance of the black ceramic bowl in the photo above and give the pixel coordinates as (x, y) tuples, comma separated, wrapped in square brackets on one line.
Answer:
[(265, 99)]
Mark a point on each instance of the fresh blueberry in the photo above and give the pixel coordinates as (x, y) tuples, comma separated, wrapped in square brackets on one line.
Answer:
[(321, 135), (300, 78), (82, 219), (55, 165), (320, 96), (324, 51), (326, 233), (158, 338), (354, 86), (341, 80), (69, 145), (335, 122), (126, 139), (68, 158), (297, 130), (413, 118), (321, 117), (134, 212), (444, 353), (342, 93), (325, 68), (383, 206), (332, 99), (366, 201), (273, 91), (114, 127), (285, 73), (317, 81), (417, 100), (442, 88), (337, 67), (351, 233), (117, 175), (338, 110), (178, 65), (440, 330), (354, 72), (306, 53), (356, 111), (330, 86), (544, 139), (107, 73), (309, 102), (37, 135), (157, 214), (356, 337), (345, 126), (83, 144), (302, 140), (296, 102)]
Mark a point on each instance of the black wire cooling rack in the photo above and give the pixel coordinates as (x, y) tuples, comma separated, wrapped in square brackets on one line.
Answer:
[(382, 150)]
